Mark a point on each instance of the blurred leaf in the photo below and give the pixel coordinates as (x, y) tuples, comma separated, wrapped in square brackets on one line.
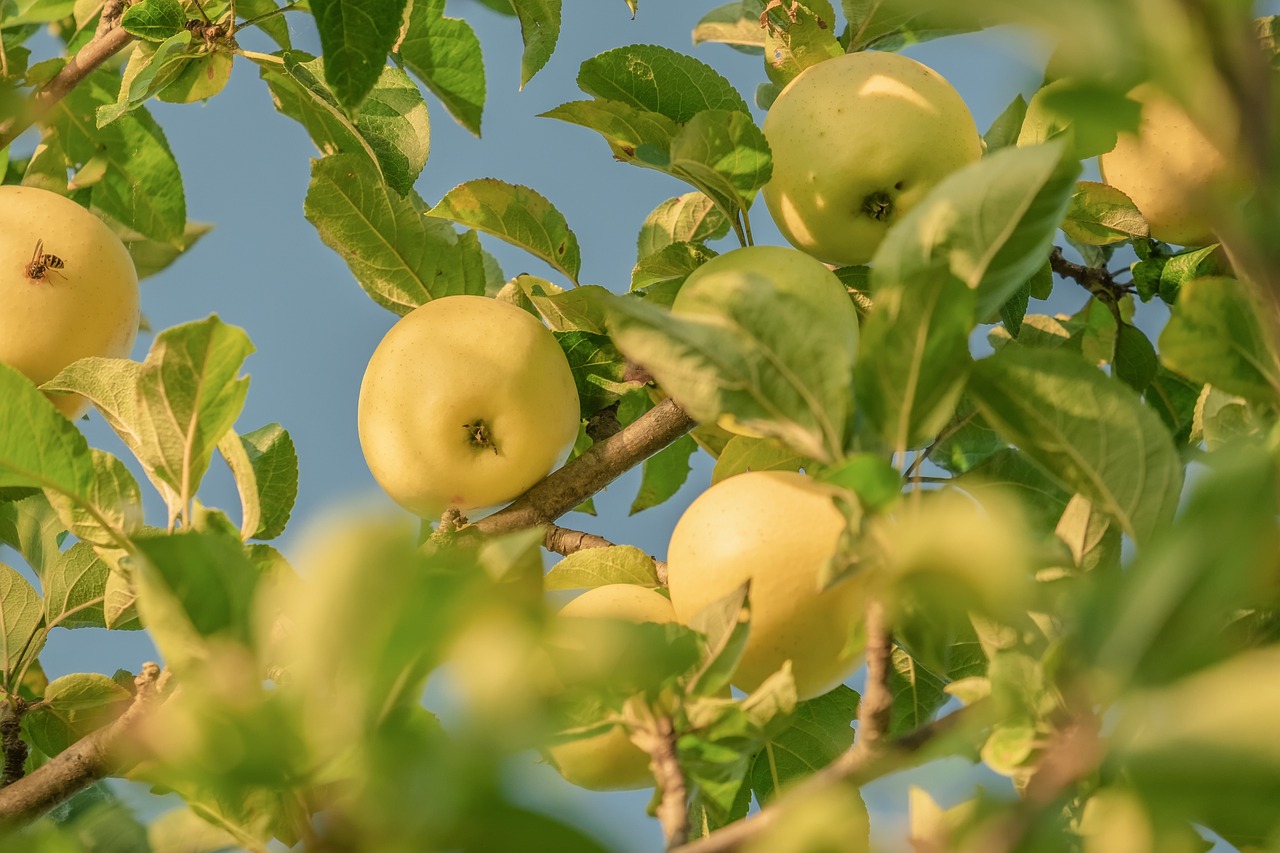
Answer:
[(184, 831), (516, 214), (1010, 471), (724, 625), (1216, 336), (797, 37), (75, 588), (1085, 113), (890, 26), (1134, 361), (592, 567), (1091, 433), (875, 481), (1174, 397), (743, 453), (1005, 129), (391, 129), (356, 39), (401, 258), (1094, 541), (444, 53), (154, 20), (1099, 214), (264, 464), (189, 394), (20, 616), (689, 218), (820, 731), (141, 187), (736, 24), (917, 694), (660, 80), (663, 473), (540, 30), (965, 441)]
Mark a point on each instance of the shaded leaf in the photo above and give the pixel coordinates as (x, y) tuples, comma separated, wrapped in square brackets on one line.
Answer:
[(662, 474), (540, 30), (356, 38), (444, 53)]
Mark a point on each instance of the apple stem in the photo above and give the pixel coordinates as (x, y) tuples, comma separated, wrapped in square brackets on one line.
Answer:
[(878, 205)]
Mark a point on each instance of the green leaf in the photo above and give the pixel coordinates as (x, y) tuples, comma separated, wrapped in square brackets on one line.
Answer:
[(1134, 361), (1011, 472), (39, 447), (659, 80), (355, 38), (401, 258), (1090, 535), (890, 26), (444, 53), (798, 36), (1091, 433), (20, 616), (1013, 312), (821, 730), (516, 214), (739, 355), (74, 706), (392, 128), (1177, 270), (668, 267), (1216, 336), (664, 473), (141, 187), (872, 478), (274, 25), (189, 394), (598, 370), (106, 512), (150, 256), (193, 587), (723, 154), (540, 30), (154, 20), (184, 831), (1174, 397), (265, 466), (579, 309), (1005, 129), (725, 625), (594, 567), (150, 69), (1084, 113), (29, 525), (623, 126), (1099, 215), (736, 24), (689, 218), (75, 588), (917, 694), (743, 454)]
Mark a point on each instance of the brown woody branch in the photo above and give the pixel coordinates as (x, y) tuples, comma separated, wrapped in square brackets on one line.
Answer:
[(876, 704), (1096, 280), (104, 752), (658, 738), (599, 466), (109, 40), (564, 541)]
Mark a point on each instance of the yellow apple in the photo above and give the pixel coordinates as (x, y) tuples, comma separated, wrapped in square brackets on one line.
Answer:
[(1171, 171), (776, 529), (466, 402), (68, 288), (610, 761), (858, 141), (785, 271)]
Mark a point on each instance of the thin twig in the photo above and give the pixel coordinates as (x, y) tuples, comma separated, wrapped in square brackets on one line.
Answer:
[(564, 541), (952, 428), (876, 705), (1096, 280), (658, 738)]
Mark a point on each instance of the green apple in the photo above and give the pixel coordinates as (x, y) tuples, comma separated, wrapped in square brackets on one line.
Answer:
[(68, 288), (776, 529), (858, 141), (610, 761), (467, 402), (1172, 171), (784, 271)]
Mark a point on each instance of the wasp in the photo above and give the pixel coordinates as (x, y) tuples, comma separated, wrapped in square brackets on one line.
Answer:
[(43, 262)]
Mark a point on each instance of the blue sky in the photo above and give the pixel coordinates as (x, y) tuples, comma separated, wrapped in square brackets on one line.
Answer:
[(246, 170)]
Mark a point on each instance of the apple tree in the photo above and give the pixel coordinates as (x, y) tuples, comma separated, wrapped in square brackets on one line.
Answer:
[(1044, 542)]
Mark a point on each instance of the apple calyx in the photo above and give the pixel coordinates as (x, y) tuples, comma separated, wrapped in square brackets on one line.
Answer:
[(878, 205), (480, 435)]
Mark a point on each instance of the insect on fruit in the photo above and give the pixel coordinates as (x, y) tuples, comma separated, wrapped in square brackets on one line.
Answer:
[(42, 262)]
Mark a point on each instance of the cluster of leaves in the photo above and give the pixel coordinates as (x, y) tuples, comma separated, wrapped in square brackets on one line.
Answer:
[(296, 698)]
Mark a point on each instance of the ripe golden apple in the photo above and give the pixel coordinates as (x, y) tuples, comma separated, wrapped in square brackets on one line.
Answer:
[(858, 141), (776, 529), (466, 402), (610, 761), (68, 288), (784, 271), (1171, 171)]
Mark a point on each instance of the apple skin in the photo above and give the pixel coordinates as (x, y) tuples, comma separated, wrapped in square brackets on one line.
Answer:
[(447, 371), (776, 529), (610, 761), (1171, 171), (788, 272), (858, 141), (89, 307)]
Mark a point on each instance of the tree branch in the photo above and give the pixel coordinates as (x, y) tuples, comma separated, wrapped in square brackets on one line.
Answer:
[(564, 541), (599, 466), (93, 757), (1096, 280), (109, 40), (14, 747), (876, 704), (862, 764), (658, 738)]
